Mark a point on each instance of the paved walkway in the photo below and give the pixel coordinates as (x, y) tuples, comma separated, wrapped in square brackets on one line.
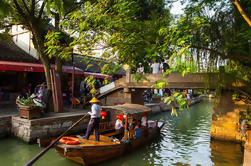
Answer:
[(67, 112), (11, 109), (8, 109)]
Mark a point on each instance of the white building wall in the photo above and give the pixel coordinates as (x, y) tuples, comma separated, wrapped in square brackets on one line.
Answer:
[(22, 38)]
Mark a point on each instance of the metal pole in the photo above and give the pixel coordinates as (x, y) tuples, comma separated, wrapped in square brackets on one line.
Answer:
[(73, 72)]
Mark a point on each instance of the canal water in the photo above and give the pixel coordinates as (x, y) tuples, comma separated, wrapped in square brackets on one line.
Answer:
[(184, 140)]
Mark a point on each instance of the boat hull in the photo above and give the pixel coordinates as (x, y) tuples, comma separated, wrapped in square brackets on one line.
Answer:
[(90, 155)]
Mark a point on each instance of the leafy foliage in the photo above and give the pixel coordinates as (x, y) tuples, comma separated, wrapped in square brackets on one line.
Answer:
[(120, 28), (177, 98), (54, 47), (26, 101), (160, 84), (140, 77)]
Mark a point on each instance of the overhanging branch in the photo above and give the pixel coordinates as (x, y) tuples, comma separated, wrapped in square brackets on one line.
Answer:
[(41, 11), (20, 11), (236, 3), (26, 7), (33, 3)]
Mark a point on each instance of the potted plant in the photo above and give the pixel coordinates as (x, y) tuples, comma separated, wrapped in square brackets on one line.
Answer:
[(156, 98), (27, 108)]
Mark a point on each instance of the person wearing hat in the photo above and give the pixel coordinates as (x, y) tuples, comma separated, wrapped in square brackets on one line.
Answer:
[(95, 119), (140, 69)]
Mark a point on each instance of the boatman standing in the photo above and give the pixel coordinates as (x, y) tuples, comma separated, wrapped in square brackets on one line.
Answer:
[(95, 119)]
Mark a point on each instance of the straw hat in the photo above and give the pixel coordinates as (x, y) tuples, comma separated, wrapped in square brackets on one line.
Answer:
[(94, 100)]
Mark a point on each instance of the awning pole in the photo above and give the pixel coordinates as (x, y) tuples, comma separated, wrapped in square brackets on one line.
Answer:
[(73, 72)]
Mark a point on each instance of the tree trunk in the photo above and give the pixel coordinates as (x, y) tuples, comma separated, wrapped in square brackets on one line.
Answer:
[(49, 99), (198, 59), (58, 60), (38, 43), (58, 67)]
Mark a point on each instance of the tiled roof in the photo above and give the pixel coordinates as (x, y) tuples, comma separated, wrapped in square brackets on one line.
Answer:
[(95, 64), (11, 52)]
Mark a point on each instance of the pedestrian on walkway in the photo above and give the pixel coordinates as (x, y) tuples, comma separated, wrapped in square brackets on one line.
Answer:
[(83, 91), (28, 89), (155, 67), (95, 119), (141, 69), (164, 66)]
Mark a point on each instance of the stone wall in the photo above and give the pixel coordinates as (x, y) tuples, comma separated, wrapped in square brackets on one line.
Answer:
[(30, 130), (5, 126), (227, 127), (115, 97), (137, 96), (226, 119), (122, 96)]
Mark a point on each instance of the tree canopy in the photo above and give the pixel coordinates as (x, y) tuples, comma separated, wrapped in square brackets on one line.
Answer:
[(210, 33)]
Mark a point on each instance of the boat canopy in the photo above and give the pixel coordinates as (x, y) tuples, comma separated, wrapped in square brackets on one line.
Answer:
[(130, 108)]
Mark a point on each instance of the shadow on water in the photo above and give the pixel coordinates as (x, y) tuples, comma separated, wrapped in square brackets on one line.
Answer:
[(15, 152), (184, 140)]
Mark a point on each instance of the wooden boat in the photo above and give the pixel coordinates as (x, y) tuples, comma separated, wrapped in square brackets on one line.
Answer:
[(92, 152)]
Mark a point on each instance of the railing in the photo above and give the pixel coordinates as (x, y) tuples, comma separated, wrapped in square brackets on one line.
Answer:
[(106, 126)]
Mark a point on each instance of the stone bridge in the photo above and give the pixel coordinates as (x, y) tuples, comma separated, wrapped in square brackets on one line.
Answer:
[(128, 90)]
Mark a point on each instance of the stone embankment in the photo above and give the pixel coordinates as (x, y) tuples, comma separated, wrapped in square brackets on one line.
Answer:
[(227, 127), (247, 151), (5, 126), (51, 125), (226, 123), (30, 130)]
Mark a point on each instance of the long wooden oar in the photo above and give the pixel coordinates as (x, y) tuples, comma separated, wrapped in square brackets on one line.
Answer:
[(53, 143)]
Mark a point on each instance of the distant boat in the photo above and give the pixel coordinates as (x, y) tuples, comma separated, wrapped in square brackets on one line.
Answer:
[(89, 152)]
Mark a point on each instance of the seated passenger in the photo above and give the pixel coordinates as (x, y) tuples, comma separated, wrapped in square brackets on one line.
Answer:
[(144, 120), (131, 129), (118, 124), (138, 124), (119, 129), (144, 124), (137, 130)]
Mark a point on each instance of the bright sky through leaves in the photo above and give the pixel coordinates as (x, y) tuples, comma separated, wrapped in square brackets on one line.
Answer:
[(177, 8)]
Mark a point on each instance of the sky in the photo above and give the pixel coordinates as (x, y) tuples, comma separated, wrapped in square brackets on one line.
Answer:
[(177, 8)]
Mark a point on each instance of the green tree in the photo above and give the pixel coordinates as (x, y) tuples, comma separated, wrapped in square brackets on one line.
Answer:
[(126, 30), (37, 17), (224, 37)]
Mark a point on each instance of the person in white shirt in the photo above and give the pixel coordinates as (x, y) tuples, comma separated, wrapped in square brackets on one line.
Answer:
[(188, 98), (95, 119), (118, 124), (144, 124), (140, 69), (155, 67), (144, 121)]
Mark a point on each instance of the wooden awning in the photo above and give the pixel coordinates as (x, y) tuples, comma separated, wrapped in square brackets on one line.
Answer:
[(130, 108)]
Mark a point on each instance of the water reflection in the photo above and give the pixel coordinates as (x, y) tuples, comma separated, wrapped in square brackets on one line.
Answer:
[(184, 140), (226, 153)]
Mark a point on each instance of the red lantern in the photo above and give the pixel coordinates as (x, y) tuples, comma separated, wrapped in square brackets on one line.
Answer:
[(120, 117), (103, 114)]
